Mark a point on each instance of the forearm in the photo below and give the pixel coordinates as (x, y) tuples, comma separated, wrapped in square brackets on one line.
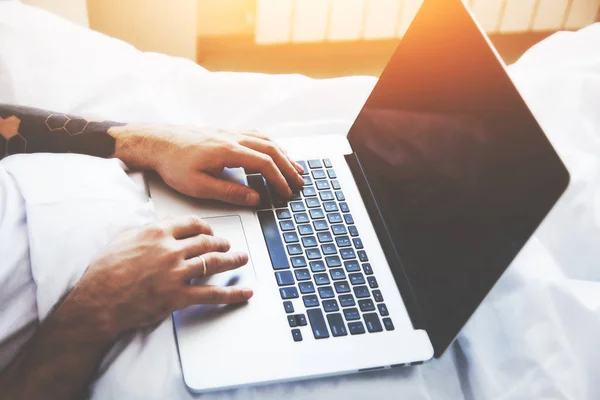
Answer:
[(31, 130), (60, 360)]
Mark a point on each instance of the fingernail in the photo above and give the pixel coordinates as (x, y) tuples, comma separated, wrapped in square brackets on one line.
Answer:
[(299, 167), (247, 293), (252, 198)]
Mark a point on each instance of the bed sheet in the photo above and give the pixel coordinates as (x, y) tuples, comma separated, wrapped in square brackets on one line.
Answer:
[(535, 335)]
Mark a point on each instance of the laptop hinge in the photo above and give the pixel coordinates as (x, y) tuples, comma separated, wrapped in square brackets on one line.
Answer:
[(386, 241)]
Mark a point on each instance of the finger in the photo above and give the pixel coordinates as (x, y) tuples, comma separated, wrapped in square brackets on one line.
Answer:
[(257, 161), (283, 162), (215, 264), (259, 135), (185, 226), (201, 244), (216, 295), (230, 192)]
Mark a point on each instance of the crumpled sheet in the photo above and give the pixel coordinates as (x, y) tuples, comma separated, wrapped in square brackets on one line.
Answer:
[(534, 337)]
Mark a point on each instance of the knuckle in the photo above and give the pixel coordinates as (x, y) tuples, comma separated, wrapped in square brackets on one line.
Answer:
[(234, 192), (155, 230), (266, 161)]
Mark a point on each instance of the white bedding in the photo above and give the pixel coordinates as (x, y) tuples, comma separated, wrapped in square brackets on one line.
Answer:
[(535, 336)]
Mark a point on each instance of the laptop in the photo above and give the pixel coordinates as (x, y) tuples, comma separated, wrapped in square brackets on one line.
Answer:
[(399, 232)]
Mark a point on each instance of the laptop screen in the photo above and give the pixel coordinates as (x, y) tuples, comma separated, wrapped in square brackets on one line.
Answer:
[(461, 171)]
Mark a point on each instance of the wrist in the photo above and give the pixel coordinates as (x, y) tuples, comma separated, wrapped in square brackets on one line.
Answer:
[(135, 145)]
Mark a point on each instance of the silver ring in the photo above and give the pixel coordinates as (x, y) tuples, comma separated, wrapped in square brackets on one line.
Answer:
[(203, 266)]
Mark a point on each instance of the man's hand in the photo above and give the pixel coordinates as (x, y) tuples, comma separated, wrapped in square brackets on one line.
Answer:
[(144, 274), (190, 159)]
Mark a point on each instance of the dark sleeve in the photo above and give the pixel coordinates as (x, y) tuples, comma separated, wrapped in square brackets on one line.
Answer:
[(30, 130)]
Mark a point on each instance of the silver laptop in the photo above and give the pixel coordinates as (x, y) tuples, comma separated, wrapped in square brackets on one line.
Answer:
[(399, 232)]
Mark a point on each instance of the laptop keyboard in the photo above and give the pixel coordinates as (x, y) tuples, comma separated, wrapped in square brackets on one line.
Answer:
[(318, 257)]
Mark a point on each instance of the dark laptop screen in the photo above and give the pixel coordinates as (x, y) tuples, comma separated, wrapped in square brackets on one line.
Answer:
[(461, 171)]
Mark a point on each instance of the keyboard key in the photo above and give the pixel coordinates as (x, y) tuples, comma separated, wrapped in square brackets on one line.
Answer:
[(307, 180), (316, 213), (292, 321), (347, 254), (300, 320), (327, 163), (315, 164), (286, 225), (297, 206), (389, 325), (342, 241), (313, 254), (377, 296), (305, 229), (347, 300), (339, 195), (317, 266), (372, 321), (273, 240), (328, 248), (352, 266), (309, 191), (339, 229), (313, 202), (353, 231), (297, 335), (357, 279), (325, 237), (331, 174), (351, 314), (362, 255), (367, 268), (361, 291), (298, 261), (310, 300), (321, 279), (356, 328), (294, 249), (357, 243), (336, 324), (257, 183), (302, 274), (334, 218), (330, 206), (333, 261), (288, 292), (337, 274), (295, 195), (344, 207), (383, 310), (317, 323), (348, 219), (326, 195), (288, 306), (290, 237), (341, 287), (283, 214), (301, 218), (284, 278), (326, 292), (318, 174), (303, 164), (366, 305), (320, 225), (372, 282), (322, 185), (335, 185), (306, 287), (309, 241)]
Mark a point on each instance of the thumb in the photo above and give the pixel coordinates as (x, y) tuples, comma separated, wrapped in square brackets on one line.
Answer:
[(227, 191)]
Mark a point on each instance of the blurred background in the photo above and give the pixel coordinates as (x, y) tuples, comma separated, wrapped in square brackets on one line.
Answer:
[(319, 38)]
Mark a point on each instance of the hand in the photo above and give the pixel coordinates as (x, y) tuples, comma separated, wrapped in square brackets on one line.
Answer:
[(144, 274), (189, 160)]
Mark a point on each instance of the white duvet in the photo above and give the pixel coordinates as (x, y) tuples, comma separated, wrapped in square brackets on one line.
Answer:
[(536, 336)]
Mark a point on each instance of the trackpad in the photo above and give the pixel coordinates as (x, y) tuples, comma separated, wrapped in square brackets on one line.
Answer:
[(230, 228)]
